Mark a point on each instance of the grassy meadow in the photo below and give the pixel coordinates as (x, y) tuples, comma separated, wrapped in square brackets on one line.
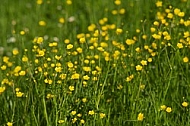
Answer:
[(94, 63)]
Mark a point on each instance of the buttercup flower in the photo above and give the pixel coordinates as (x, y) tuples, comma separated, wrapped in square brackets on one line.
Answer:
[(9, 124), (140, 117), (168, 109), (185, 59), (184, 104)]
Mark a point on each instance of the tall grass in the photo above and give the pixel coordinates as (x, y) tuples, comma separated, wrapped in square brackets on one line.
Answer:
[(118, 62)]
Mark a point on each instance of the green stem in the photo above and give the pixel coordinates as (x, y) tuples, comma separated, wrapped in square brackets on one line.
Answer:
[(45, 112)]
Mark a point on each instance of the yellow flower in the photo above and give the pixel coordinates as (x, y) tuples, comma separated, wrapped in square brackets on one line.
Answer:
[(42, 23), (140, 117), (186, 34), (167, 37), (170, 15), (119, 87), (41, 53), (39, 2), (84, 83), (62, 76), (17, 69), (168, 10), (138, 30), (49, 96), (152, 29), (156, 23), (57, 57), (92, 27), (129, 78), (117, 2), (181, 14), (139, 67), (9, 124), (69, 2), (184, 104), (79, 115), (103, 44), (142, 86), (71, 88), (102, 115), (52, 65), (2, 89), (96, 56), (86, 69), (17, 89), (168, 109), (86, 61), (101, 22), (19, 94), (5, 59), (138, 49), (75, 76), (53, 44), (82, 40), (179, 45), (4, 67), (5, 81), (181, 21), (185, 59), (159, 3), (69, 46), (22, 32), (163, 107), (49, 59), (66, 41), (146, 47), (58, 69), (144, 37), (9, 64), (74, 53), (24, 58), (104, 28), (70, 64), (73, 113), (15, 51), (114, 12), (149, 59), (22, 73), (164, 22), (122, 11), (100, 49), (91, 112), (112, 26), (74, 120), (61, 20), (82, 121), (143, 62), (130, 41), (156, 36), (86, 77), (39, 40), (79, 50), (84, 100), (119, 31), (50, 81), (61, 121), (187, 23), (39, 69), (176, 11)]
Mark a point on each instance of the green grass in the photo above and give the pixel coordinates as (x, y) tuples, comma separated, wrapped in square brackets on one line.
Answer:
[(95, 67)]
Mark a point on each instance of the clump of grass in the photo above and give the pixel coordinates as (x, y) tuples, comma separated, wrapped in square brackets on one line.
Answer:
[(94, 63)]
